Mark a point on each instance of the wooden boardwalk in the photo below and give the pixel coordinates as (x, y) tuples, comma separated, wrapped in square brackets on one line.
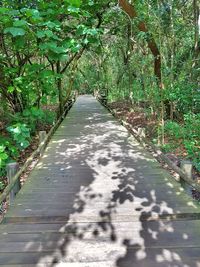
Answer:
[(98, 199)]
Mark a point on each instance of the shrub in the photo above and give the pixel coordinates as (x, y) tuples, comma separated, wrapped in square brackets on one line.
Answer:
[(3, 159), (188, 134), (20, 134), (34, 116), (8, 152), (174, 130)]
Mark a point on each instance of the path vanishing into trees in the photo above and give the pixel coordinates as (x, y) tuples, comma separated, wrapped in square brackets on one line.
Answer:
[(98, 199)]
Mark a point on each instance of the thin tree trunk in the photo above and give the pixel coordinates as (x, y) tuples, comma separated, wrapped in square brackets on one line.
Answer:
[(196, 26), (59, 87)]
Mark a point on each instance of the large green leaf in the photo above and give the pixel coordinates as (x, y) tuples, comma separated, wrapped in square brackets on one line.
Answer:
[(19, 23), (52, 46), (48, 34), (52, 25), (15, 31), (44, 33), (40, 34)]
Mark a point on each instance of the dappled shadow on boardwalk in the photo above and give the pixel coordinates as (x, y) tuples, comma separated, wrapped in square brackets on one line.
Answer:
[(112, 202)]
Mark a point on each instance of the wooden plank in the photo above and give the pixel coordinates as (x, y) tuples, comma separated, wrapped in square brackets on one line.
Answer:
[(180, 228), (164, 237), (57, 217), (30, 228), (61, 264), (33, 201), (43, 246), (151, 257)]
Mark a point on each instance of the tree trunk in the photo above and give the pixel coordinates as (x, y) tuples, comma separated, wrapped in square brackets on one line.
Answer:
[(130, 10), (197, 27)]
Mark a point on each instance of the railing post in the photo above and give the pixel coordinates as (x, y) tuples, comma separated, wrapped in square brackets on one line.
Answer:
[(95, 93), (76, 94), (186, 167), (12, 169), (141, 133), (42, 136)]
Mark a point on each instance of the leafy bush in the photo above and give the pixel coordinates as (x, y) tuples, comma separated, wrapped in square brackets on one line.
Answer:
[(20, 134), (34, 116), (10, 147), (49, 117), (168, 147), (192, 123), (3, 159), (174, 130), (23, 124), (8, 151), (192, 140), (188, 134)]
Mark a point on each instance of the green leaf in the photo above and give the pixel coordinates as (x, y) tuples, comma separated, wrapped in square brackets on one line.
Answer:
[(13, 12), (33, 13), (18, 89), (46, 74), (2, 148), (73, 10), (92, 40), (3, 156), (85, 41), (15, 31), (21, 134), (24, 144), (75, 3), (52, 46), (11, 89), (75, 48), (52, 25), (40, 34), (92, 31), (3, 10), (81, 29), (19, 23)]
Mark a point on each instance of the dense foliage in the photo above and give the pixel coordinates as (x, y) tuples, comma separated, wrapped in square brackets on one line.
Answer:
[(144, 51), (40, 44)]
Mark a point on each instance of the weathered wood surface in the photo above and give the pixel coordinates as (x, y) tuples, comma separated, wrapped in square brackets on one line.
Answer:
[(98, 199)]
